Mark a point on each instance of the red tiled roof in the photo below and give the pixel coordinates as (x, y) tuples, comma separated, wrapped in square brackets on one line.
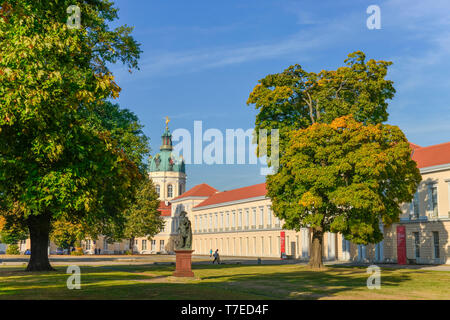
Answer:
[(200, 190), (414, 146), (257, 190), (165, 210), (432, 156), (424, 156)]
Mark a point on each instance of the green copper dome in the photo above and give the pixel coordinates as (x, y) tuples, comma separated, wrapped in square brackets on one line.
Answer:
[(166, 160)]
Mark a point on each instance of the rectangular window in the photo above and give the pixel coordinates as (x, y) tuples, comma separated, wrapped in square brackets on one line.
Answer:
[(210, 221), (153, 245), (240, 219), (434, 197), (269, 216), (161, 245), (416, 206), (436, 244), (261, 216), (254, 218), (247, 218), (270, 245), (416, 245), (144, 244), (216, 225), (262, 246), (278, 245)]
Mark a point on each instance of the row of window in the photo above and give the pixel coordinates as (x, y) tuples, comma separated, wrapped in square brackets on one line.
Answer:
[(239, 246), (153, 245), (170, 189), (263, 245), (242, 219)]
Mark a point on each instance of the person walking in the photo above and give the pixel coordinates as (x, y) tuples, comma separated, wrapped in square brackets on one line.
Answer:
[(216, 257), (210, 253)]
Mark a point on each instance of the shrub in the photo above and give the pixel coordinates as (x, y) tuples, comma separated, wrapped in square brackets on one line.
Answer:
[(13, 249), (77, 252), (128, 253)]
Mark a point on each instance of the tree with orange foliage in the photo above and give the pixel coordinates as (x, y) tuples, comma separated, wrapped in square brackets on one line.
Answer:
[(341, 169)]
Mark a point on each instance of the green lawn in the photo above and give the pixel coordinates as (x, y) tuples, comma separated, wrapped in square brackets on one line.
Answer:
[(224, 282)]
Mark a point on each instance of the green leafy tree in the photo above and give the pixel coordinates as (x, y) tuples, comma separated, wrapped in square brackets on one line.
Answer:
[(10, 232), (66, 234), (12, 236), (343, 177), (143, 219), (296, 99), (124, 127), (320, 182), (55, 162)]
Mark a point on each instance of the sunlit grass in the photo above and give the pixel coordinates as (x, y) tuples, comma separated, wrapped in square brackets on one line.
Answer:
[(223, 282)]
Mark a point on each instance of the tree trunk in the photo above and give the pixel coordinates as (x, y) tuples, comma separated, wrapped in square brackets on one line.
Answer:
[(315, 261), (132, 245), (39, 227)]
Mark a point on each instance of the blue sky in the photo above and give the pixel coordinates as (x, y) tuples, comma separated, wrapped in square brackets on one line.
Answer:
[(201, 60)]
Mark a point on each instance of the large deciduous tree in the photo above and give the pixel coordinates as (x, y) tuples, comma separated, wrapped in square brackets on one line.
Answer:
[(143, 219), (340, 169), (54, 163), (343, 177)]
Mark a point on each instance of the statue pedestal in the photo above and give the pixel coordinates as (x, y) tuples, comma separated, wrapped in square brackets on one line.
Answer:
[(183, 264)]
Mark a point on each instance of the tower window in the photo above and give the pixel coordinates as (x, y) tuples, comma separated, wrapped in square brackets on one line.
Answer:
[(158, 190), (169, 191), (181, 189)]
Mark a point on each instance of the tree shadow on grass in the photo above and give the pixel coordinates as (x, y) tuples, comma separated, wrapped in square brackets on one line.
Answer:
[(221, 282)]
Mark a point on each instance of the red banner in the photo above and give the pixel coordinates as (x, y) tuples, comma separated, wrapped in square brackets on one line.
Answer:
[(401, 244), (283, 244)]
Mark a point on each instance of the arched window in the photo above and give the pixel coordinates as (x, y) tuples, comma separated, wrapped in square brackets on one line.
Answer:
[(158, 190), (169, 191)]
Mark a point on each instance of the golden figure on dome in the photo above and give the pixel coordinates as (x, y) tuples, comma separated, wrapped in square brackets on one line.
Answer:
[(167, 122)]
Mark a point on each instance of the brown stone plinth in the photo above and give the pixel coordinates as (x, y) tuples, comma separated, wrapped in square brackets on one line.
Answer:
[(184, 262)]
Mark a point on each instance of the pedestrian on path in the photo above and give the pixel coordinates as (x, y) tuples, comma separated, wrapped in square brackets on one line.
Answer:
[(216, 257), (210, 253)]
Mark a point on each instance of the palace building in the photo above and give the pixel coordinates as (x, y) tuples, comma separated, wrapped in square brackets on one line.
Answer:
[(240, 222)]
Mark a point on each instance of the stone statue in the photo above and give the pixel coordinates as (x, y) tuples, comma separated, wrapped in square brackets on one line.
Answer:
[(184, 233)]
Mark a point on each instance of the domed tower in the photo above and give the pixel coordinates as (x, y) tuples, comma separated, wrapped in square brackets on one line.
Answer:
[(167, 170)]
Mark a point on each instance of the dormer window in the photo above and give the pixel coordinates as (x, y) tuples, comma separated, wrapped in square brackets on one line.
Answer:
[(169, 191)]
